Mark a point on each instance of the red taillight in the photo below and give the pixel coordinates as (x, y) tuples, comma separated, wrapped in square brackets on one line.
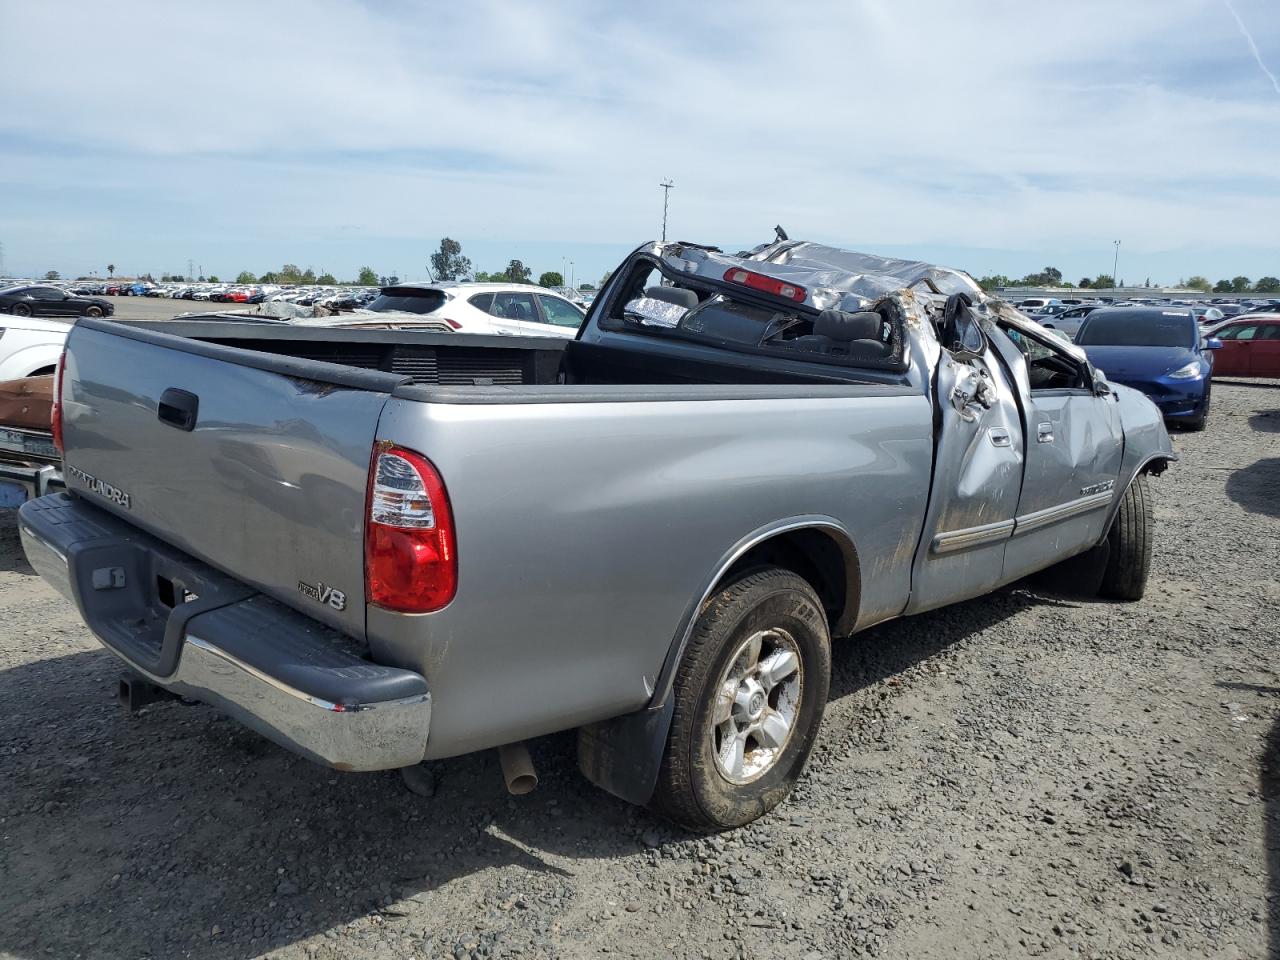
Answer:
[(758, 281), (56, 422), (410, 562), (452, 323)]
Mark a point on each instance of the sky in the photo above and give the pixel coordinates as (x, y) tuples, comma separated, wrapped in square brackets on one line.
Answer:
[(996, 136)]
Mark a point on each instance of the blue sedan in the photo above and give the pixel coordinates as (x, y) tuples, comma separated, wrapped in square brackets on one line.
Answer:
[(1159, 352)]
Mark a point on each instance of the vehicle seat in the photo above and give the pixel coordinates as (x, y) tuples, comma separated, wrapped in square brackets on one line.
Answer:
[(860, 336), (677, 295)]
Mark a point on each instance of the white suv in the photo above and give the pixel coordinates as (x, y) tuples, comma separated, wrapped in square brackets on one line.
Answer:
[(30, 346), (506, 309)]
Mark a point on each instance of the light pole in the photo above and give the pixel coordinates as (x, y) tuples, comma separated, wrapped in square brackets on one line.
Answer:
[(666, 186), (1115, 267), (570, 274)]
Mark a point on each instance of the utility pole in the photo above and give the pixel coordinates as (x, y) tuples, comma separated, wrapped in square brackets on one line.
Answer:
[(1, 259), (666, 186), (1115, 267), (189, 274), (570, 274)]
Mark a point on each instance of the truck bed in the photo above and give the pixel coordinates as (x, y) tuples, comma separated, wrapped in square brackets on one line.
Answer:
[(475, 363)]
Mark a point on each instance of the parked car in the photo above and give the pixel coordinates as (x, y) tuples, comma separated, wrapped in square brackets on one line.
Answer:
[(1035, 304), (650, 533), (29, 462), (1250, 346), (498, 308), (1160, 352), (30, 346), (42, 301), (1207, 315), (1069, 320)]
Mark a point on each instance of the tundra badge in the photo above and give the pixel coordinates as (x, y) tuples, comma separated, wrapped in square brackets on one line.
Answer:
[(100, 487), (322, 594)]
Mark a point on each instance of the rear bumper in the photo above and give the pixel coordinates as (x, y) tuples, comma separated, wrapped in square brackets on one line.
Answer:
[(198, 633)]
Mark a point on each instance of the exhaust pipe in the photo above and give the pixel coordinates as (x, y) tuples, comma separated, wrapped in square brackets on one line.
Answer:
[(517, 768), (133, 692)]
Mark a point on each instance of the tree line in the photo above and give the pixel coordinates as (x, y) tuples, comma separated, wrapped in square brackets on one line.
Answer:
[(446, 263), (1052, 277)]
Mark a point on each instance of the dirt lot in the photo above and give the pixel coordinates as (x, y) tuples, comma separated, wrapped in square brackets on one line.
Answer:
[(1029, 774)]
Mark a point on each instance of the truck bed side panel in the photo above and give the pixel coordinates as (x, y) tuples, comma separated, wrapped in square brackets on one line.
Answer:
[(585, 532)]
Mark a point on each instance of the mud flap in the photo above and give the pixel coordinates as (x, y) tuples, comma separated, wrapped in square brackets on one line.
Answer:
[(623, 755)]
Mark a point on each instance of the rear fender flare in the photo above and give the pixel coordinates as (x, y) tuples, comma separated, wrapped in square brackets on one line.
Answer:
[(623, 755)]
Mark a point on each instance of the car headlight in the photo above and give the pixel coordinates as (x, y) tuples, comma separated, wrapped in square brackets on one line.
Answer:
[(1192, 369)]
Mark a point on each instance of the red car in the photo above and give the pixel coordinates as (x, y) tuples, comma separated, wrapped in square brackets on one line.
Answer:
[(1250, 346)]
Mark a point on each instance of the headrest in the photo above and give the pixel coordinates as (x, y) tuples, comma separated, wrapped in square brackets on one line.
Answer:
[(844, 326), (677, 295)]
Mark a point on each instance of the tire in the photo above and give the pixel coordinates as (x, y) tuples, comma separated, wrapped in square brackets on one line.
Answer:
[(1129, 540), (93, 312), (21, 310), (704, 784)]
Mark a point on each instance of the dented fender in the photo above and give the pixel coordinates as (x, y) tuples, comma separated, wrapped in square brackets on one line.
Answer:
[(1146, 442)]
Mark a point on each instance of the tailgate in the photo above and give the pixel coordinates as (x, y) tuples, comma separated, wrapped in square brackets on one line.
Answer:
[(255, 464)]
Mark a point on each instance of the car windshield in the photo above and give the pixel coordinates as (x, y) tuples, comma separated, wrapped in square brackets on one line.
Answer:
[(1137, 328), (408, 300)]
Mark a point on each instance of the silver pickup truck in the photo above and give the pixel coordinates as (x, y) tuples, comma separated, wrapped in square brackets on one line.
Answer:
[(379, 548)]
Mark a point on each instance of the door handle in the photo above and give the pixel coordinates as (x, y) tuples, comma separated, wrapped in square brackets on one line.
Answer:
[(178, 408), (1044, 433), (999, 437)]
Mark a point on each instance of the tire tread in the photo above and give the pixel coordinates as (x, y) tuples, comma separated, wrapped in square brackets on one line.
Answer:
[(1130, 540), (675, 796)]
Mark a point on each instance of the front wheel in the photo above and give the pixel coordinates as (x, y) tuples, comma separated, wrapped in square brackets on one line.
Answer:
[(93, 312), (1129, 543), (749, 696), (21, 310)]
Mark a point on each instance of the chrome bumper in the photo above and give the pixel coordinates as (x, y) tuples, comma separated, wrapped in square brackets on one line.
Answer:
[(37, 478), (366, 736), (344, 732)]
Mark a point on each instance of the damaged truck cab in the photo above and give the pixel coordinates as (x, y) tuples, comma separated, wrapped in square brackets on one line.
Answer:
[(380, 547)]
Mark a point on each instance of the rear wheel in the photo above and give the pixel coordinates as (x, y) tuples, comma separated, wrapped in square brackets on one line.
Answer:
[(21, 310), (1129, 542), (749, 696), (93, 312)]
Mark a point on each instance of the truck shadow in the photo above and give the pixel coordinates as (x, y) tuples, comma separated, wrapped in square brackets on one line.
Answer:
[(12, 559), (178, 832), (1265, 421), (1257, 487)]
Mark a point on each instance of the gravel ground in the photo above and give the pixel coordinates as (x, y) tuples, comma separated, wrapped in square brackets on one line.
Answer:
[(1029, 774)]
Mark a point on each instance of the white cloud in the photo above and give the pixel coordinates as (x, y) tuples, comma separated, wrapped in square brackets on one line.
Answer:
[(991, 124)]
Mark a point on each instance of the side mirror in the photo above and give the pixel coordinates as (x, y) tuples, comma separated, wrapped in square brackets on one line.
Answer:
[(1101, 388), (960, 331), (1212, 343)]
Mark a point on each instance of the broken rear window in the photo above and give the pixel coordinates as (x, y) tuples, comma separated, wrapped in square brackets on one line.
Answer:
[(660, 305)]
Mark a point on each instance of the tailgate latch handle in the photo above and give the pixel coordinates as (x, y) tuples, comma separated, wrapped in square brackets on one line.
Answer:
[(178, 408)]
